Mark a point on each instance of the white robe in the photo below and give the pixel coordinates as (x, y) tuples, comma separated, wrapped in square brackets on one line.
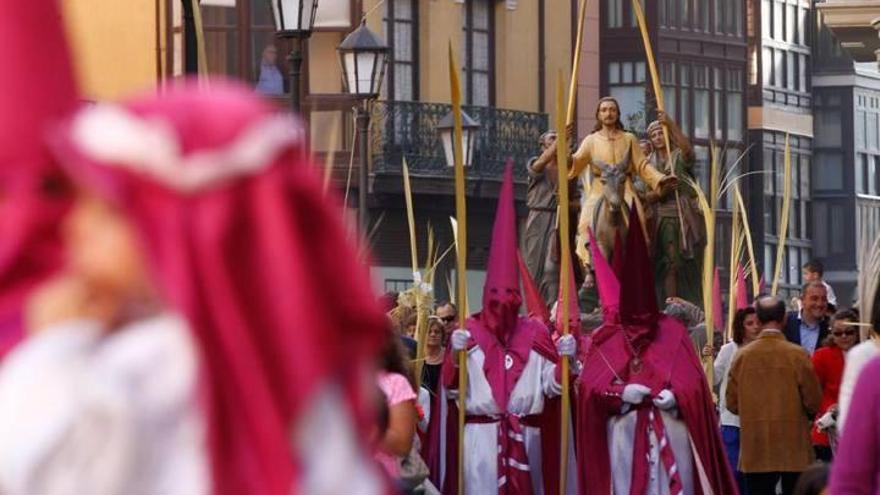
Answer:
[(621, 439), (85, 413), (481, 439)]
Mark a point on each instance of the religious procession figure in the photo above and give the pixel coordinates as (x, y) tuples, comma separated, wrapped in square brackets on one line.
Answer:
[(614, 158), (512, 371), (645, 414), (541, 243), (679, 237)]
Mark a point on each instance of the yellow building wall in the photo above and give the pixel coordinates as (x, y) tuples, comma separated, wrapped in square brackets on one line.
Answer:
[(516, 51), (516, 57), (557, 52), (440, 23), (114, 45), (325, 72)]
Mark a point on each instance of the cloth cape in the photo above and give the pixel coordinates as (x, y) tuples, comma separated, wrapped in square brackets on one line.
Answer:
[(529, 335), (669, 361)]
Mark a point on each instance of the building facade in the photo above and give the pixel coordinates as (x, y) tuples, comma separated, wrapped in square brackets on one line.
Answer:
[(744, 75), (701, 52), (780, 104), (509, 53), (846, 200)]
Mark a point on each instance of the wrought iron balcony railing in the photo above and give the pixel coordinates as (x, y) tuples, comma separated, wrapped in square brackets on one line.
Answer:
[(408, 129)]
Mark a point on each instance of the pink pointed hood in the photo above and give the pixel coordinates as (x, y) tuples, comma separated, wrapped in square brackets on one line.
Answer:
[(574, 309), (37, 90), (535, 305), (742, 294), (606, 282), (638, 297), (717, 306), (501, 293)]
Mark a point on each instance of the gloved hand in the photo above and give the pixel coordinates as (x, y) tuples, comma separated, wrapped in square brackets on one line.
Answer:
[(459, 340), (665, 400), (826, 422), (566, 345), (635, 393)]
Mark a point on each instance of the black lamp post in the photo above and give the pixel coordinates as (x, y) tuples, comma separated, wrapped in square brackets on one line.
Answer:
[(294, 20), (363, 56)]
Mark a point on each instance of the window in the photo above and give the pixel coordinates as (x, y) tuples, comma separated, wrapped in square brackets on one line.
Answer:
[(791, 23), (222, 40), (698, 9), (626, 81), (734, 105), (667, 80), (718, 86), (685, 13), (614, 13), (777, 20), (829, 128), (719, 16), (401, 24), (684, 118), (767, 54), (701, 166), (861, 173), (802, 26), (872, 176), (737, 18), (829, 170), (778, 68), (240, 41), (701, 102), (479, 59), (872, 130), (633, 20)]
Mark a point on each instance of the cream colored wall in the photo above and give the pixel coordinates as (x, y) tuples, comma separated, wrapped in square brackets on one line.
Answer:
[(325, 73), (440, 23), (558, 51), (588, 80), (114, 45), (516, 56)]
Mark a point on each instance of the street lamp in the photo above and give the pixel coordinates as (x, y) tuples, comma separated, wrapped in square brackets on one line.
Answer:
[(469, 128), (363, 56), (294, 20)]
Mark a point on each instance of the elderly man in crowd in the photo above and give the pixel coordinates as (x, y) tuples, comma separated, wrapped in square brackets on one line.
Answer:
[(775, 392), (809, 327)]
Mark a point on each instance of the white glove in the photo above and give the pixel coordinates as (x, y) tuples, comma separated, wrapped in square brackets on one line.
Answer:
[(826, 422), (566, 346), (665, 400), (459, 340), (634, 393)]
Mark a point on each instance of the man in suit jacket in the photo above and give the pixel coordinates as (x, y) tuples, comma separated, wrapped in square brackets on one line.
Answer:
[(775, 392), (809, 327)]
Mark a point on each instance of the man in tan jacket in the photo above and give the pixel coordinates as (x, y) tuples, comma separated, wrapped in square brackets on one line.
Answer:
[(773, 388)]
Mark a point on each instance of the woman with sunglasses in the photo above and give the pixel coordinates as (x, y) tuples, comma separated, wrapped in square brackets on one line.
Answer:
[(828, 361)]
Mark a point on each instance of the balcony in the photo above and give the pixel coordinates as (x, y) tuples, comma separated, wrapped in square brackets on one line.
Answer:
[(407, 129), (855, 24)]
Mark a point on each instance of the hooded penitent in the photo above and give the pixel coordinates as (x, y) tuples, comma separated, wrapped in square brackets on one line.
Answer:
[(36, 90), (501, 294), (243, 243), (506, 341), (652, 349)]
